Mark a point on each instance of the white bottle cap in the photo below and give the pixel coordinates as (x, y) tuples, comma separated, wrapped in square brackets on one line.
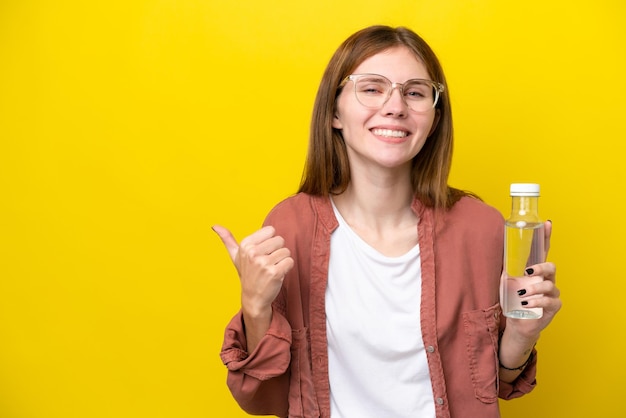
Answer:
[(524, 189)]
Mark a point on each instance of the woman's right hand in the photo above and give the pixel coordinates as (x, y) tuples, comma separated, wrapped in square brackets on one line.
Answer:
[(262, 260)]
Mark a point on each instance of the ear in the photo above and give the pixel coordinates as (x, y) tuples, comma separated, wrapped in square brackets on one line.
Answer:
[(435, 122), (336, 122)]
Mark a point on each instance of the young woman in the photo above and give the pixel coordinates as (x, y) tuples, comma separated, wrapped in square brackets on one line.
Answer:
[(374, 291)]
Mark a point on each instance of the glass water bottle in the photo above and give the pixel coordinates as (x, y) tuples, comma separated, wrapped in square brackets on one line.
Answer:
[(523, 247)]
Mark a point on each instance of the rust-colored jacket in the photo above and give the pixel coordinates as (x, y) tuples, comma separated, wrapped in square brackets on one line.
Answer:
[(461, 254)]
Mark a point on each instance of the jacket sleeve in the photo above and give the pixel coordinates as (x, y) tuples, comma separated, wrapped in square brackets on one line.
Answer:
[(259, 381), (524, 383)]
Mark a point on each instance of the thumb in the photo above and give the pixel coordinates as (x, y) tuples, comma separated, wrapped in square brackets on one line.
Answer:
[(228, 239)]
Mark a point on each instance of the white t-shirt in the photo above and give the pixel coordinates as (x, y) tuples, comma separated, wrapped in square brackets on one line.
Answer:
[(376, 357)]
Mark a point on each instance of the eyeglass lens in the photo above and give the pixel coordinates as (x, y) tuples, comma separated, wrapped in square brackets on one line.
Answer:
[(373, 91)]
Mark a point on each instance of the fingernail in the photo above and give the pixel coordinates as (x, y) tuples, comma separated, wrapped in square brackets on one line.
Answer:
[(550, 220), (524, 303), (530, 271), (521, 292)]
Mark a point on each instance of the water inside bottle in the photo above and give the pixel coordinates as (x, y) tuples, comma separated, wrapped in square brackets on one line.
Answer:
[(524, 246)]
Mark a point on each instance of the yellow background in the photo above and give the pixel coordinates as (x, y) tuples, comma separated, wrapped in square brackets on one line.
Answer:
[(129, 127)]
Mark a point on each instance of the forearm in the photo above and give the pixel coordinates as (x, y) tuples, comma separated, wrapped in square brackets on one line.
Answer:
[(256, 324), (514, 355)]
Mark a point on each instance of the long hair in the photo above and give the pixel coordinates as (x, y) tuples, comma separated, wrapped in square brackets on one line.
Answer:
[(327, 170)]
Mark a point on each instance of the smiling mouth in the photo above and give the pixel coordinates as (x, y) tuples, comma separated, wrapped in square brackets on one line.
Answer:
[(390, 133)]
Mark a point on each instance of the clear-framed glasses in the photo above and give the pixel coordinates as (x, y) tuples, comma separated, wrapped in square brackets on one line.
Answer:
[(374, 90)]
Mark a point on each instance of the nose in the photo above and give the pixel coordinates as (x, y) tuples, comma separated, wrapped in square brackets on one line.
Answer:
[(395, 104)]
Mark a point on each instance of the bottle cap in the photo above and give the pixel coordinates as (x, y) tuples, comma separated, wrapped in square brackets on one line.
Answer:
[(524, 189)]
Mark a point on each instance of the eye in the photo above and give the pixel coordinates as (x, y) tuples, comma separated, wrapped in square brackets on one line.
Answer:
[(372, 86), (415, 93), (417, 90), (371, 89)]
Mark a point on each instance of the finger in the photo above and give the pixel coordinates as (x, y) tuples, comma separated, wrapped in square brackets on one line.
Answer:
[(259, 236), (228, 240), (547, 234), (270, 245), (285, 265), (278, 256), (546, 287), (549, 302), (279, 264), (545, 270)]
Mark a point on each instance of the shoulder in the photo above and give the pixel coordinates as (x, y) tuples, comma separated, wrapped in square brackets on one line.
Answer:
[(472, 208), (470, 229), (300, 213), (299, 204), (475, 217)]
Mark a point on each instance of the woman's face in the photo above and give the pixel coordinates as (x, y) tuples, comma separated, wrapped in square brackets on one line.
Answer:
[(388, 137)]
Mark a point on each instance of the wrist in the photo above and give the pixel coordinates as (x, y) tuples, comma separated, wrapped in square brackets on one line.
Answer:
[(523, 366), (255, 310), (255, 325), (516, 352), (258, 315), (517, 338)]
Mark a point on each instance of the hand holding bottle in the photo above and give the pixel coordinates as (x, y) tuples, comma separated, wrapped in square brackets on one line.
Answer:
[(521, 335)]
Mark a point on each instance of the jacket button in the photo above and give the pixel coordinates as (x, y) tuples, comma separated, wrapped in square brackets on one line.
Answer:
[(430, 349), (439, 401)]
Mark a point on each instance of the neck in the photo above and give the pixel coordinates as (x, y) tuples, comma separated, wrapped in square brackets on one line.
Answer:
[(383, 203), (381, 216)]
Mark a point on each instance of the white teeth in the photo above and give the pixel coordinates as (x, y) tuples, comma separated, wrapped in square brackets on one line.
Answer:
[(390, 133)]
